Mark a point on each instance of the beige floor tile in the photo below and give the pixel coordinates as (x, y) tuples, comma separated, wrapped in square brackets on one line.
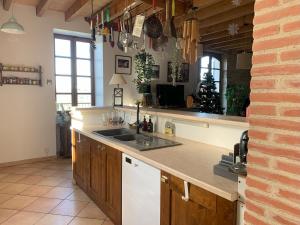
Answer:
[(59, 192), (14, 188), (45, 172), (79, 195), (69, 208), (36, 190), (24, 218), (85, 221), (54, 220), (5, 197), (92, 211), (18, 202), (12, 178), (51, 181), (44, 205), (64, 174), (6, 213), (33, 179)]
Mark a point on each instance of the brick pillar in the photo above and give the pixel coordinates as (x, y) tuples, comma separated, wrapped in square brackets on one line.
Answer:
[(273, 182)]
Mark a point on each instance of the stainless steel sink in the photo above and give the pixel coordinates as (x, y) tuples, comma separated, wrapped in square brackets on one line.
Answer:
[(113, 132), (142, 142)]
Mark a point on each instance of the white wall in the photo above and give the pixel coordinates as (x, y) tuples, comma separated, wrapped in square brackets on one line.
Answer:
[(27, 113), (130, 93)]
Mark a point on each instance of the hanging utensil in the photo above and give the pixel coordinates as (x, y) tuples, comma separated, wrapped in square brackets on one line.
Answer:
[(172, 24), (125, 37), (167, 26), (152, 26), (161, 42), (119, 43), (112, 38)]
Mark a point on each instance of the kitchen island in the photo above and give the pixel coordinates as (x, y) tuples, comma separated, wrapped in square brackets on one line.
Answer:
[(211, 199)]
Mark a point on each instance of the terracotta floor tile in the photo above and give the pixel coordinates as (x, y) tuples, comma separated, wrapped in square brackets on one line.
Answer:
[(69, 208), (51, 181), (64, 174), (68, 183), (24, 218), (44, 205), (26, 170), (5, 197), (6, 213), (92, 211), (59, 192), (12, 178), (79, 195), (54, 220), (108, 222), (33, 179), (36, 190), (3, 185), (3, 175), (45, 172), (17, 202), (14, 189), (85, 221)]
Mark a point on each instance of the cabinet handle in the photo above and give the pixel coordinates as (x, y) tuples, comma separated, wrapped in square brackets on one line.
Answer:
[(164, 179), (186, 196)]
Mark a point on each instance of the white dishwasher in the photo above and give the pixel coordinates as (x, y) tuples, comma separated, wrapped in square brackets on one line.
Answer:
[(140, 193)]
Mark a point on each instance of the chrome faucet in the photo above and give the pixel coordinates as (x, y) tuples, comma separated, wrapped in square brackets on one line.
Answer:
[(138, 118)]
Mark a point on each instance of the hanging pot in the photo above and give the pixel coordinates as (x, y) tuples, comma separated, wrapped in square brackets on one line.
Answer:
[(152, 26)]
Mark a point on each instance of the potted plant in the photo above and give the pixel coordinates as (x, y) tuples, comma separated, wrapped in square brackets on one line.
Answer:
[(236, 96), (144, 63)]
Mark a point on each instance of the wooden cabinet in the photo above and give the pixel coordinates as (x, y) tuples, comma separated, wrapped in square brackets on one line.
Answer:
[(97, 169), (81, 160), (202, 207)]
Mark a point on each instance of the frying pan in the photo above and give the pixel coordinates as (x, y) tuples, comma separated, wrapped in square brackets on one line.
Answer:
[(152, 26)]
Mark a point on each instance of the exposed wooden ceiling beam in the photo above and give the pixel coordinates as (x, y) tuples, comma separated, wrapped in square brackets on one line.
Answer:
[(242, 21), (232, 45), (225, 33), (204, 3), (227, 38), (227, 16), (7, 4), (42, 7), (231, 42), (213, 10), (74, 9)]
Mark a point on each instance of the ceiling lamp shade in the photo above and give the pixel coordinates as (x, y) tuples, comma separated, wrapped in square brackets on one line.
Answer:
[(12, 27)]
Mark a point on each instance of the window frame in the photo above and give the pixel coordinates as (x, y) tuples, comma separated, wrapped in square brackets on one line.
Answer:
[(74, 76), (218, 57)]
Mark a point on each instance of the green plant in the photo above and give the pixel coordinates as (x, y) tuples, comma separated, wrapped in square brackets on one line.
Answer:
[(144, 63), (208, 97), (175, 65), (236, 96)]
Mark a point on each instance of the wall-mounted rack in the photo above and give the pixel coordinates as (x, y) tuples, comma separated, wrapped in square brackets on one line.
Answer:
[(15, 80)]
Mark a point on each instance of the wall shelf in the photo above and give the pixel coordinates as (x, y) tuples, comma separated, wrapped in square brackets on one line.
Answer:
[(16, 80)]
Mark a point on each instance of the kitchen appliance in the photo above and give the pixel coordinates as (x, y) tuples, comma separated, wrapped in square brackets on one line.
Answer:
[(241, 160), (140, 193)]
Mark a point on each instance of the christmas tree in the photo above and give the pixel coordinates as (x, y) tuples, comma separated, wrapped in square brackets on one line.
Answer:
[(207, 96)]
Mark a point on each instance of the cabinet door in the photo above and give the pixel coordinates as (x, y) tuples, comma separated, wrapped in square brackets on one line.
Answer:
[(98, 172), (113, 184), (81, 161), (203, 207)]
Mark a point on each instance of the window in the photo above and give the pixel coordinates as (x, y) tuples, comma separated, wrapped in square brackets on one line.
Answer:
[(211, 64), (74, 63)]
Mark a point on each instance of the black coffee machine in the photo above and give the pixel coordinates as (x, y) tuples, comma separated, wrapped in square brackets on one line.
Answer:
[(240, 156)]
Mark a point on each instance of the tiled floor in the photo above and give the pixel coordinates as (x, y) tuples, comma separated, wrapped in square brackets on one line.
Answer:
[(43, 194)]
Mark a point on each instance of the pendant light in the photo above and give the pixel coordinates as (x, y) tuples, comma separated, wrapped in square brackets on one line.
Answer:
[(12, 26)]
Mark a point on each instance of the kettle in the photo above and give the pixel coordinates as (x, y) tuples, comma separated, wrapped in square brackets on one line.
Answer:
[(240, 167), (244, 147)]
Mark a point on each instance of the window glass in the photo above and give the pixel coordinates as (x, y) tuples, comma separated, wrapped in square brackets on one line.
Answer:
[(84, 99), (210, 64), (62, 98), (205, 62), (83, 50), (63, 84), (83, 67), (62, 66), (84, 85), (215, 63), (62, 47), (216, 74)]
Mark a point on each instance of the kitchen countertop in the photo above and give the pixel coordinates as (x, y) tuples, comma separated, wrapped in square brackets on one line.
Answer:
[(192, 161)]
